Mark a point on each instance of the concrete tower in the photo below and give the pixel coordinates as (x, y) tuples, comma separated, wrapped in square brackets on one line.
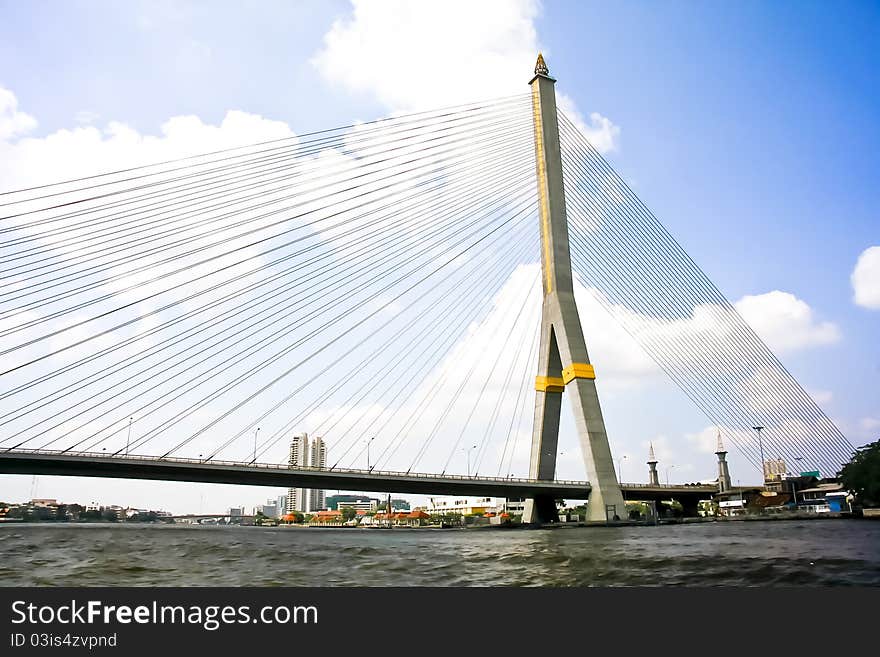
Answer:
[(723, 472), (654, 480), (563, 362)]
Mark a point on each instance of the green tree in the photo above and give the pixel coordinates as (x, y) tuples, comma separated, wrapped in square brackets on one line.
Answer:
[(862, 474), (349, 514)]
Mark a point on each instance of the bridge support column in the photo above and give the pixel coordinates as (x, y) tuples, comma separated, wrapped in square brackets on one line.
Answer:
[(563, 361)]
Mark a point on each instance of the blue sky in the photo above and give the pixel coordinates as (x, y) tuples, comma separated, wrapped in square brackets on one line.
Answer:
[(750, 129)]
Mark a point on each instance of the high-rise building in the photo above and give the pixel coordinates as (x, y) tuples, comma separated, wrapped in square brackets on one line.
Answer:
[(305, 453), (299, 453), (317, 459), (281, 506)]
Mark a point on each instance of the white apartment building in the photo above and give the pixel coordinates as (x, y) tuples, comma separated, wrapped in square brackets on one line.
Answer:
[(317, 459), (464, 505), (305, 453)]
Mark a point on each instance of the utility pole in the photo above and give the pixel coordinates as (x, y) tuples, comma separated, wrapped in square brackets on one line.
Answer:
[(563, 361)]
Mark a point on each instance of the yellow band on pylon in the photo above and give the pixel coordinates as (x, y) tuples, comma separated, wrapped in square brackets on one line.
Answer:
[(578, 371), (549, 384)]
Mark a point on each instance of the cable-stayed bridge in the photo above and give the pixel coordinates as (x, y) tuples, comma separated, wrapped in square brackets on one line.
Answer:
[(393, 286)]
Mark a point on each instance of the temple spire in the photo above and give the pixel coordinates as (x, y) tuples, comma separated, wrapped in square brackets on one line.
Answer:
[(723, 471), (719, 449), (653, 478)]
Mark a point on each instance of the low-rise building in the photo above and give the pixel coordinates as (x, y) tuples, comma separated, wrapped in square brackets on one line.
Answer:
[(326, 517), (368, 505), (415, 518), (828, 497), (465, 506)]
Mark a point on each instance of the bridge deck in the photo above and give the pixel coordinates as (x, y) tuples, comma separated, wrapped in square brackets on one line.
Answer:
[(264, 474), (87, 464)]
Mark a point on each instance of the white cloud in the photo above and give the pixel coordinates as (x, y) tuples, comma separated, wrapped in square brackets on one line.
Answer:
[(865, 279), (89, 150), (412, 56), (705, 441), (621, 364), (12, 122), (417, 55), (785, 322), (601, 132)]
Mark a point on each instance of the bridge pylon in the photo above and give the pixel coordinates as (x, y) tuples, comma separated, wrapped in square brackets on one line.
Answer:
[(563, 361)]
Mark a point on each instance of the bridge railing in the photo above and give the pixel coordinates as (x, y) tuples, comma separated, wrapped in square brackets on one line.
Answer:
[(280, 467), (625, 485)]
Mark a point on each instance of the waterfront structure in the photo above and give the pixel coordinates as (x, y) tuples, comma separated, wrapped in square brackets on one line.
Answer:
[(563, 361), (308, 454), (723, 472), (466, 506), (653, 479), (415, 518)]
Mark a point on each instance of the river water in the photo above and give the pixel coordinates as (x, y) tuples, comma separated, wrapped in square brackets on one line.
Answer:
[(747, 553)]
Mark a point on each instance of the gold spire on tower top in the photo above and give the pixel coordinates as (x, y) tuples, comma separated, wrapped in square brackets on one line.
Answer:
[(540, 66)]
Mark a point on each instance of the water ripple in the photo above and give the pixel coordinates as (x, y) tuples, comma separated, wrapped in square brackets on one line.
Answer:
[(794, 553)]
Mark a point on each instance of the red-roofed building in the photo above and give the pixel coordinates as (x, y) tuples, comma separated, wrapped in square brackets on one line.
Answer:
[(326, 517)]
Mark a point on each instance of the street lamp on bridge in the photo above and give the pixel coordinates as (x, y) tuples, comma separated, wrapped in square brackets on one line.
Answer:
[(469, 450), (667, 473), (619, 475), (368, 452), (761, 451), (128, 439), (255, 444)]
